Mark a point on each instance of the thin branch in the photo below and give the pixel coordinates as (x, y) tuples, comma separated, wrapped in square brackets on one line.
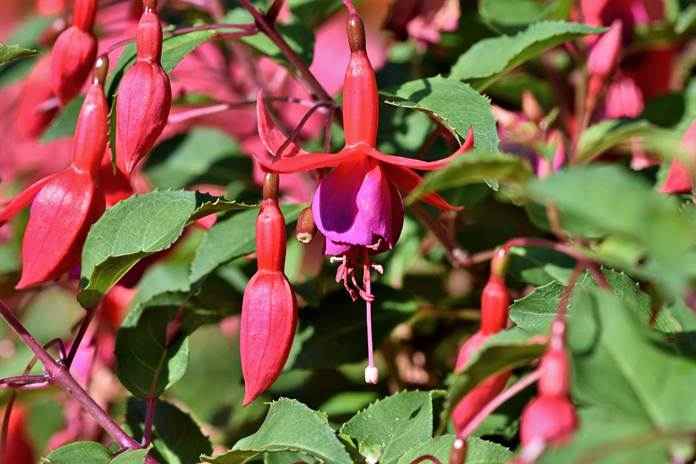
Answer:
[(495, 403), (81, 331), (61, 377), (150, 408), (426, 457)]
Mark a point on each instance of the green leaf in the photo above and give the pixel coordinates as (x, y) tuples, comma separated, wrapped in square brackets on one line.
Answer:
[(472, 168), (296, 34), (232, 238), (289, 426), (502, 352), (10, 53), (686, 20), (513, 15), (203, 153), (444, 99), (478, 452), (313, 12), (326, 332), (177, 438), (130, 457), (388, 428), (487, 60), (134, 229), (654, 223), (83, 452)]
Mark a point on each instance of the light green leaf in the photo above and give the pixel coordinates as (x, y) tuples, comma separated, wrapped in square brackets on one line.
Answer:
[(475, 167), (232, 238), (10, 53), (478, 452), (445, 100), (83, 452), (289, 426), (502, 352), (513, 15), (135, 228), (389, 427), (487, 60)]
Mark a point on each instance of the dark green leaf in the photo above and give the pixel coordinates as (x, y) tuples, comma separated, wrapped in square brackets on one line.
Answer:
[(490, 58), (444, 99), (478, 451), (388, 428), (289, 426), (135, 228), (177, 438)]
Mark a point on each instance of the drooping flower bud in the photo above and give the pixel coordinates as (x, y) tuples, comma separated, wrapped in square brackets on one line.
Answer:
[(495, 297), (548, 420), (65, 204), (602, 61), (74, 52), (269, 306), (19, 449), (144, 97)]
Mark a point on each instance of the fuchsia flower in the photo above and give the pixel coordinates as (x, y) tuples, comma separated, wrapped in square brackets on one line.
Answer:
[(357, 206), (63, 205), (144, 96), (74, 52)]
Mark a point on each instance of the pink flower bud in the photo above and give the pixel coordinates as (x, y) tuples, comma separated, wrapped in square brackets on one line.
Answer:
[(605, 53), (624, 99), (679, 179), (144, 98), (548, 420)]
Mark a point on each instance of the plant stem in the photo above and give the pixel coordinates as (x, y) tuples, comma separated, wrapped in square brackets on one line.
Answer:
[(61, 376), (426, 457), (311, 82), (505, 395), (81, 331), (150, 408)]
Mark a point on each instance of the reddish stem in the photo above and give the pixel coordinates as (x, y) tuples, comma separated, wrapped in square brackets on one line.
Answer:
[(150, 408)]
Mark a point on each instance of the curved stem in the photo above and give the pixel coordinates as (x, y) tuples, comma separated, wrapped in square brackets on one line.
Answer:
[(426, 457)]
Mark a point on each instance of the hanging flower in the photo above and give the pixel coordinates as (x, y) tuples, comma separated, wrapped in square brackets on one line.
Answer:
[(358, 206)]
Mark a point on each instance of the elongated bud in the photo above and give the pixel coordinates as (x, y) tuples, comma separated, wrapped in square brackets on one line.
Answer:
[(72, 59), (91, 132), (144, 98), (270, 237), (548, 420), (555, 373), (495, 298), (360, 100), (84, 12), (306, 229)]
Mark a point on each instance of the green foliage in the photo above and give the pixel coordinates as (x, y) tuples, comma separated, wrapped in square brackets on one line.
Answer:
[(10, 53), (87, 452), (489, 59)]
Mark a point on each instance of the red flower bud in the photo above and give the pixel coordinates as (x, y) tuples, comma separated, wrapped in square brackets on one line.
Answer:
[(555, 373), (483, 393), (495, 300), (74, 52), (144, 97), (269, 307), (34, 112), (19, 449), (548, 420), (64, 205)]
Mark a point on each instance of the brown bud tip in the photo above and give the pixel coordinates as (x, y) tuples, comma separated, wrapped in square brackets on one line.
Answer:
[(500, 261), (101, 69), (150, 5), (305, 229), (458, 453), (356, 33), (270, 186)]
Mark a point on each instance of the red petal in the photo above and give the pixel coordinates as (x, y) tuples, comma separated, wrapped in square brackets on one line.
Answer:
[(22, 200), (406, 180), (267, 328), (678, 180), (424, 165), (272, 137), (60, 216), (308, 161)]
